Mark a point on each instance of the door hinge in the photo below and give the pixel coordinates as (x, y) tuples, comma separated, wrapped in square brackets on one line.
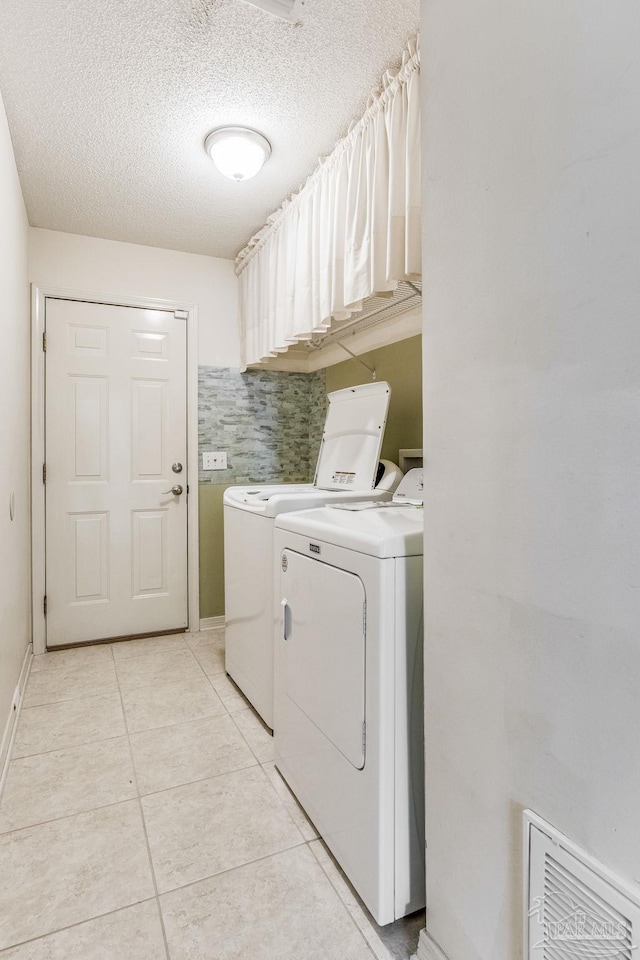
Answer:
[(364, 735), (364, 618), (44, 341), (44, 473), (44, 606)]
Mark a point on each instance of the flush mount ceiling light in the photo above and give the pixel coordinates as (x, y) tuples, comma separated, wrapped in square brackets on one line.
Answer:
[(237, 152), (285, 9)]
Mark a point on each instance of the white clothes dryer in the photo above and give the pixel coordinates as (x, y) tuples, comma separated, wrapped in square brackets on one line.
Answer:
[(349, 688), (348, 469)]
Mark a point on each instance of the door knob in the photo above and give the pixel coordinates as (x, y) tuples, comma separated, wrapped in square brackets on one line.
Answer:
[(176, 490), (176, 467)]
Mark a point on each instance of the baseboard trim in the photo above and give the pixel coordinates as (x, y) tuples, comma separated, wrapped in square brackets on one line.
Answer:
[(428, 949), (210, 623), (12, 720)]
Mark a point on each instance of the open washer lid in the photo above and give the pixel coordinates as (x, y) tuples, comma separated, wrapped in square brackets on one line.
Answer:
[(352, 438)]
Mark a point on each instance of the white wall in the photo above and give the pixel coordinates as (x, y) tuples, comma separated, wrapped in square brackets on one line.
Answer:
[(15, 627), (532, 439), (92, 265)]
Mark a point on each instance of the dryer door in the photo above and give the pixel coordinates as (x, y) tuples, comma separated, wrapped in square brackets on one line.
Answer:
[(323, 653)]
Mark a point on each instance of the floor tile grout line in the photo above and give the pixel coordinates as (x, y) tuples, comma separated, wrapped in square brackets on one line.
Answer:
[(218, 673), (138, 795), (246, 740), (174, 723), (11, 759), (140, 798), (51, 703), (236, 866), (178, 723), (257, 763), (153, 683), (236, 689), (67, 816), (100, 806), (142, 686), (71, 926), (55, 663), (167, 683), (149, 653), (205, 643), (342, 901), (144, 828), (231, 716), (123, 643), (330, 860), (111, 646), (121, 661), (8, 757), (90, 696), (110, 689), (61, 668), (262, 764), (313, 840), (188, 783), (57, 653), (284, 807), (70, 746), (83, 812), (203, 670), (293, 799)]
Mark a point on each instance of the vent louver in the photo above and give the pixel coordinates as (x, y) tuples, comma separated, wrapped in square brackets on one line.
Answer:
[(575, 908), (573, 914)]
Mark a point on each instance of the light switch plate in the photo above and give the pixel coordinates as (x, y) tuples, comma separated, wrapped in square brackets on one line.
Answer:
[(214, 460)]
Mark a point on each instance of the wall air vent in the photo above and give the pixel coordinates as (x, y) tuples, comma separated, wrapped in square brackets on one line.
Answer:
[(575, 908)]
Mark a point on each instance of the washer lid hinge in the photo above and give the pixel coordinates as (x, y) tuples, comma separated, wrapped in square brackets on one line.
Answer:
[(364, 618), (364, 735)]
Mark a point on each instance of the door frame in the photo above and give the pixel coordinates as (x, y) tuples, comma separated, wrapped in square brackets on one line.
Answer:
[(39, 294)]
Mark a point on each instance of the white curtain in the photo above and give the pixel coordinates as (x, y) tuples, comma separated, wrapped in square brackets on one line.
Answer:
[(351, 231)]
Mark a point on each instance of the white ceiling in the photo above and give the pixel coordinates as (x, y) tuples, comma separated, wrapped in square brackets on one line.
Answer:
[(109, 102)]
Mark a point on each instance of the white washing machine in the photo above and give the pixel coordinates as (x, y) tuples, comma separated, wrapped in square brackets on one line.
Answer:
[(349, 688), (347, 469)]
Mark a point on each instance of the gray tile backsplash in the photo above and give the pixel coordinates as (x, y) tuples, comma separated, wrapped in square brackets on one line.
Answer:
[(270, 424)]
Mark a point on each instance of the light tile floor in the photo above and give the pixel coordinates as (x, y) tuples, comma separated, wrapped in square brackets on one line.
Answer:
[(143, 818)]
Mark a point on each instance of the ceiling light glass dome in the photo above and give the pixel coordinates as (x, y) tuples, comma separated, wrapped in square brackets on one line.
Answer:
[(237, 152)]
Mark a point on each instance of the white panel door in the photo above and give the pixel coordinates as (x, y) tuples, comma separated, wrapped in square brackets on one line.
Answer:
[(115, 420)]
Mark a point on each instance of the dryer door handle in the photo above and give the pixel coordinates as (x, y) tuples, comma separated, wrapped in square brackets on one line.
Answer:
[(286, 619)]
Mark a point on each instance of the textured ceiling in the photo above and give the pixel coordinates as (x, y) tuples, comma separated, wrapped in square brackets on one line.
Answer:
[(109, 102)]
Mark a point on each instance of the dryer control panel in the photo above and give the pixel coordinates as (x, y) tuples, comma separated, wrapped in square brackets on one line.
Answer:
[(408, 494), (410, 487)]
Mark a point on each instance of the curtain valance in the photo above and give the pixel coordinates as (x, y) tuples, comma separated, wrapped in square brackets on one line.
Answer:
[(352, 230)]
